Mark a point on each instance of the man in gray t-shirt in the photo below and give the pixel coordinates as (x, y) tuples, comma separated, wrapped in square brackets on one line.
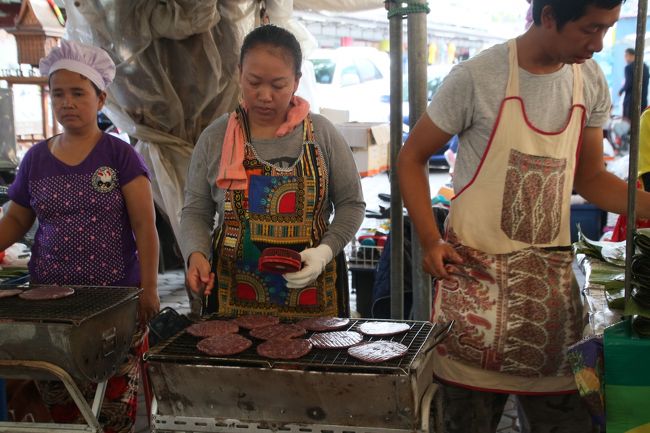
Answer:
[(529, 116)]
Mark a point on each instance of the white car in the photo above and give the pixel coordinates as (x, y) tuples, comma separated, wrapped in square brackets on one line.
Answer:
[(353, 79)]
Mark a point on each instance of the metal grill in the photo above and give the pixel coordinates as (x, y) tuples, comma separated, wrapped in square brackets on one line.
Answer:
[(181, 348), (85, 303)]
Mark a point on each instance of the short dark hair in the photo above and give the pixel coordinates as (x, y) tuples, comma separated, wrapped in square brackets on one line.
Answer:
[(569, 10), (274, 36), (630, 51)]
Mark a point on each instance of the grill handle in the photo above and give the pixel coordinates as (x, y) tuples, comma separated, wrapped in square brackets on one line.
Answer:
[(109, 341)]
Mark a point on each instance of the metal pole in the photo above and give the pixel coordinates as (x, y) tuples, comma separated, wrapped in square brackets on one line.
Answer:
[(3, 401), (417, 70), (396, 206), (635, 114)]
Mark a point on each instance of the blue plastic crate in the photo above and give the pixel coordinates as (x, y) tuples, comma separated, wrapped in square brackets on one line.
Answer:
[(590, 218)]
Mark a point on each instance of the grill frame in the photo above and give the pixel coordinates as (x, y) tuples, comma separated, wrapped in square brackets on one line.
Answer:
[(87, 302), (87, 344), (181, 348), (222, 394)]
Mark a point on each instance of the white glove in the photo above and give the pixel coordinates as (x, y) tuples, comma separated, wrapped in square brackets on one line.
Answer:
[(315, 260)]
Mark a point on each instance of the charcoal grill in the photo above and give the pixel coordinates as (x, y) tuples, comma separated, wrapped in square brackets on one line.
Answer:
[(324, 391), (84, 336)]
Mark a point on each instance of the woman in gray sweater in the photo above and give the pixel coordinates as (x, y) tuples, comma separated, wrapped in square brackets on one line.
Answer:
[(270, 174)]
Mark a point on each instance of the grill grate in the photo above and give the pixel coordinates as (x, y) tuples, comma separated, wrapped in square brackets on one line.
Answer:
[(84, 304), (181, 348)]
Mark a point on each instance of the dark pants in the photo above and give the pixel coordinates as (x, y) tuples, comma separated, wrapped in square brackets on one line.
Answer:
[(465, 410)]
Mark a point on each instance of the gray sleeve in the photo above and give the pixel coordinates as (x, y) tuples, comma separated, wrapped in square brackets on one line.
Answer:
[(345, 192), (200, 206), (449, 109), (597, 96)]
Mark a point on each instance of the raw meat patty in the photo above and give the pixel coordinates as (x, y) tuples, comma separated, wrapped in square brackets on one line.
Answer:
[(383, 329), (7, 293), (46, 293), (378, 351), (256, 321), (210, 328), (323, 323), (226, 344), (336, 339), (281, 330), (284, 349)]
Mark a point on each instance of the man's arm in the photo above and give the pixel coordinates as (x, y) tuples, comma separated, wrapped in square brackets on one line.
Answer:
[(600, 187), (424, 140)]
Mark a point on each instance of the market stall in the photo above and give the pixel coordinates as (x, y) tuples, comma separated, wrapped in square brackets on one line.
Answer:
[(617, 290)]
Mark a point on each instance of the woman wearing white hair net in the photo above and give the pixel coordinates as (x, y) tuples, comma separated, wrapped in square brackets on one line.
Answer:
[(91, 194)]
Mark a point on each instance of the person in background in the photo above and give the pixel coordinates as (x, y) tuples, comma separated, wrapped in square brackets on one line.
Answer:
[(91, 195), (272, 174), (630, 57), (529, 115)]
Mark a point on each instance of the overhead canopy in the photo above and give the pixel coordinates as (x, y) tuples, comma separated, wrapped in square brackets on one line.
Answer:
[(176, 70), (337, 5)]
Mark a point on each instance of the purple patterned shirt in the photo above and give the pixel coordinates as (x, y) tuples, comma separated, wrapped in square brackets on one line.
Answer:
[(84, 235)]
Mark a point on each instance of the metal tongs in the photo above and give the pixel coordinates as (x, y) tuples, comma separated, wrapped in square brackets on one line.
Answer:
[(440, 332)]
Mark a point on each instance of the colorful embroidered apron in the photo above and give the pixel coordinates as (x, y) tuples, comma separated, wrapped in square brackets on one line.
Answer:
[(281, 208), (513, 301)]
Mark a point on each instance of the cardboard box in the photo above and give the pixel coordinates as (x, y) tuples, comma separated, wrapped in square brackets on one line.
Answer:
[(335, 116), (370, 144)]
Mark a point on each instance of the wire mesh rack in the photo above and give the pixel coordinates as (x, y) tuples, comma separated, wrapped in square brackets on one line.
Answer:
[(359, 255)]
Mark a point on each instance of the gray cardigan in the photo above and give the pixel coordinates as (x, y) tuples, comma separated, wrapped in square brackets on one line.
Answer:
[(204, 201)]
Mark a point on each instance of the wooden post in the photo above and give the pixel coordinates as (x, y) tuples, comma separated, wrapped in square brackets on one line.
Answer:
[(44, 114)]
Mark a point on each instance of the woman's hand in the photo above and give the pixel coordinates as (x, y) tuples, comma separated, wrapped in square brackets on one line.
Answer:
[(315, 260), (200, 278), (436, 256), (148, 305)]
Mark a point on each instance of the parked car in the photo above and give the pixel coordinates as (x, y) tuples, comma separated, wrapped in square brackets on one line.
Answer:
[(435, 75), (353, 79)]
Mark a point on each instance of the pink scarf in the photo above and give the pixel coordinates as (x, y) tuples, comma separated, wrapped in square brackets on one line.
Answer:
[(232, 174)]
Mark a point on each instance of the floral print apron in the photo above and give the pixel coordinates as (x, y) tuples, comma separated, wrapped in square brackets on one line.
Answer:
[(513, 301)]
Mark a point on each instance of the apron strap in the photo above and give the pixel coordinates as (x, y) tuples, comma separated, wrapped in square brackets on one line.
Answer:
[(512, 88), (243, 121), (578, 93)]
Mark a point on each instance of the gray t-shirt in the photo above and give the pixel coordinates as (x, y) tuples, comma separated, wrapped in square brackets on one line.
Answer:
[(204, 201), (469, 99)]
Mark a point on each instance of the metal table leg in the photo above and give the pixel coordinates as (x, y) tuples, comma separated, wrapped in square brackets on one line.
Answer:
[(3, 401), (27, 369), (425, 407)]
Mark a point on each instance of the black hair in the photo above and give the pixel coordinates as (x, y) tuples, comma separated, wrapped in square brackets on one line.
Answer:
[(274, 36), (630, 51), (569, 10)]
